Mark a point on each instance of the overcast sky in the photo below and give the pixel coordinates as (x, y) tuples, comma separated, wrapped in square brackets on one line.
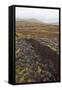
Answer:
[(43, 15)]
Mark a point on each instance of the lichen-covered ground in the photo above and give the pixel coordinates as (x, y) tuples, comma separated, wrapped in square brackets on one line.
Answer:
[(37, 60)]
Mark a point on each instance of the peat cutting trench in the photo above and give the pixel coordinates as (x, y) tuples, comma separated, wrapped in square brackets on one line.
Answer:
[(41, 62)]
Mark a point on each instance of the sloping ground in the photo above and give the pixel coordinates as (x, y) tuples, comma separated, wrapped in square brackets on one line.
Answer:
[(35, 62), (52, 43)]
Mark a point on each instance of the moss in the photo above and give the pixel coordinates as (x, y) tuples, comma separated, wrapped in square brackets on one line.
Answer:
[(21, 74), (39, 69), (51, 47), (19, 69)]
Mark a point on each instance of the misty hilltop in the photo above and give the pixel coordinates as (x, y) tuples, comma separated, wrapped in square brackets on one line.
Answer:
[(33, 20)]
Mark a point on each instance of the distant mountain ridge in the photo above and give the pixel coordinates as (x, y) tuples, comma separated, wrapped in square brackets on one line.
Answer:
[(36, 21)]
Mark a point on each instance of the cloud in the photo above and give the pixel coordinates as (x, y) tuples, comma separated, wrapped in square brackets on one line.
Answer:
[(43, 15)]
